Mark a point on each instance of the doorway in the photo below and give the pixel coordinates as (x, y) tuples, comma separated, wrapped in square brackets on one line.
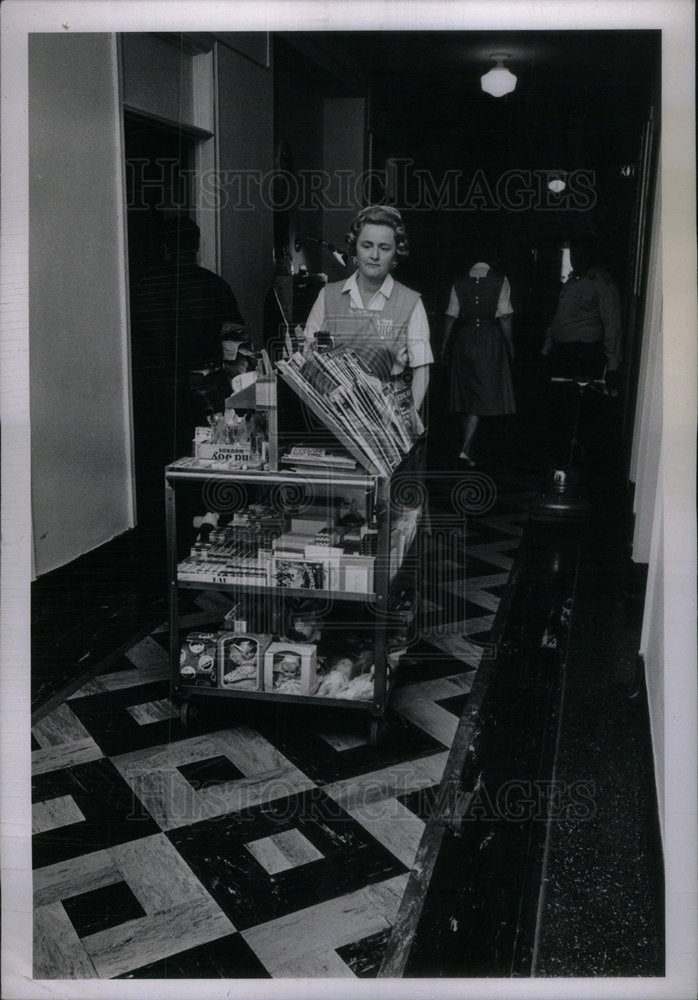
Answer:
[(160, 164), (160, 170)]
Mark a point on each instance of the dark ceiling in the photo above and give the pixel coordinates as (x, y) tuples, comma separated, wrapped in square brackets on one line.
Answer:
[(581, 100), (429, 74), (582, 103)]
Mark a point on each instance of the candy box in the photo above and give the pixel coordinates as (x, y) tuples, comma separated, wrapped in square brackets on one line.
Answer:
[(241, 660), (197, 659), (289, 668), (235, 454)]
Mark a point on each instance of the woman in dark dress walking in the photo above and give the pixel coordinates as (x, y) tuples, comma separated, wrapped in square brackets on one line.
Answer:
[(478, 346)]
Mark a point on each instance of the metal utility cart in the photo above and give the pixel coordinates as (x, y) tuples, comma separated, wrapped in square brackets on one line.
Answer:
[(382, 510)]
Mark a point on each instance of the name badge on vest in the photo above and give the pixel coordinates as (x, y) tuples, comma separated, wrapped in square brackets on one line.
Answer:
[(385, 327)]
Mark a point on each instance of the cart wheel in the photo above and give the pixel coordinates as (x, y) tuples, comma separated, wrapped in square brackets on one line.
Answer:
[(377, 735), (188, 714)]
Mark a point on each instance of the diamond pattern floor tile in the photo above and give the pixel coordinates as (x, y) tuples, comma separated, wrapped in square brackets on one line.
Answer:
[(269, 849)]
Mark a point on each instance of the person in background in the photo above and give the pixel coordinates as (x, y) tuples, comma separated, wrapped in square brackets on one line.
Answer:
[(584, 336), (179, 308), (582, 345), (179, 311), (384, 321), (478, 346)]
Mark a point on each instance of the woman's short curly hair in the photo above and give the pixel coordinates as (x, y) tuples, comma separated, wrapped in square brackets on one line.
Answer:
[(379, 215)]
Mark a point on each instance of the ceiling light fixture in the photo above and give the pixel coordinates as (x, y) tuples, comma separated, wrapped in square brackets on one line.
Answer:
[(557, 183), (499, 81)]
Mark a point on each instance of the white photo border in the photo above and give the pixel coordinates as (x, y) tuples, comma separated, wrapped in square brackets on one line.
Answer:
[(675, 18)]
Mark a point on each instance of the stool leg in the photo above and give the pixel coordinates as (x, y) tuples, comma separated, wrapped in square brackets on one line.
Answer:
[(574, 441), (560, 499)]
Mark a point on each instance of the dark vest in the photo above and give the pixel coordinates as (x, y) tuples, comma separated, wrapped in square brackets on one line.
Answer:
[(379, 337), (478, 297)]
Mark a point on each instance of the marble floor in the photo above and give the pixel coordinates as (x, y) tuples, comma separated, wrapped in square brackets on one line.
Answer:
[(254, 846)]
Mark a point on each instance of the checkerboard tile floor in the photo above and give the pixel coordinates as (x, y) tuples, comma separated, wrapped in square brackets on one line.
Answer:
[(250, 849)]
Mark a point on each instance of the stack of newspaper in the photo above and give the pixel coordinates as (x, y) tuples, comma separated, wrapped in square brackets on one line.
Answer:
[(368, 416)]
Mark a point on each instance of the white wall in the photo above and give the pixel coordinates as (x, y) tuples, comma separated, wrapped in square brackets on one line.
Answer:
[(79, 389), (647, 435), (82, 487), (646, 473), (652, 647)]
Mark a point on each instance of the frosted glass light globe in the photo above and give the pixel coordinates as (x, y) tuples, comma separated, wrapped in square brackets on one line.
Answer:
[(498, 82)]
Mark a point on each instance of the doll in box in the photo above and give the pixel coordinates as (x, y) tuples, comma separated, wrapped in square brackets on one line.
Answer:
[(287, 673), (240, 659), (334, 683), (241, 667), (348, 677), (289, 668)]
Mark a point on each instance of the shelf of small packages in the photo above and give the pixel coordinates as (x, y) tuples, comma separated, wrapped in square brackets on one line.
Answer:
[(377, 497), (252, 588), (187, 469)]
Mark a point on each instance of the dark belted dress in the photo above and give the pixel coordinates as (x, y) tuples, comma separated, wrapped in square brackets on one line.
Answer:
[(480, 374)]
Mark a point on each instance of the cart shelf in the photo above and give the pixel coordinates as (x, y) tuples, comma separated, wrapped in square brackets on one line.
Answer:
[(339, 595), (393, 533), (271, 696)]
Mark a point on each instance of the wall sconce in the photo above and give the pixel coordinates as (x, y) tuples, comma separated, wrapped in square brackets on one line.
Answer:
[(499, 81)]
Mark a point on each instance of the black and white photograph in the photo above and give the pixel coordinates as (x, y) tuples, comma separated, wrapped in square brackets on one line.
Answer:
[(348, 474)]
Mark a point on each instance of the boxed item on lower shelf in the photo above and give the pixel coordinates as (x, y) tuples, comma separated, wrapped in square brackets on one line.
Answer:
[(351, 677), (253, 571), (299, 574), (241, 660), (348, 679), (289, 668), (197, 659), (357, 574)]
